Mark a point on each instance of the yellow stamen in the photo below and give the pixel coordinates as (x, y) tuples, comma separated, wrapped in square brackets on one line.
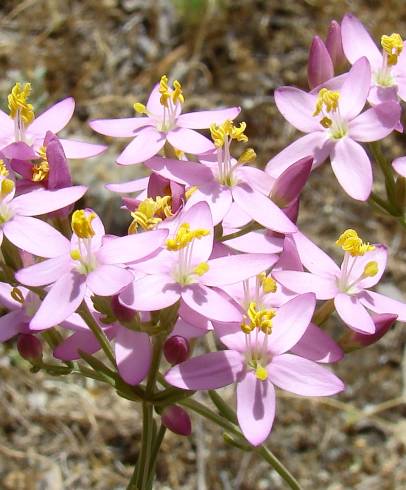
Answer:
[(177, 94), (371, 269), (82, 223), (140, 108), (190, 191), (75, 254), (184, 236), (17, 102), (351, 243), (150, 212), (268, 283), (261, 319), (327, 100), (17, 295), (392, 45), (179, 154), (261, 373), (7, 186), (40, 170), (3, 169), (201, 269), (247, 328), (247, 156), (221, 133)]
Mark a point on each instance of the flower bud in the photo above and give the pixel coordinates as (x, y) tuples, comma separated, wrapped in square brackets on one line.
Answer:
[(288, 186), (176, 349), (29, 347), (177, 420), (121, 312), (334, 45), (319, 66)]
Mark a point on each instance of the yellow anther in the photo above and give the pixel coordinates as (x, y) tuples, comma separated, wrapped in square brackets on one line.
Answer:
[(17, 102), (150, 212), (247, 328), (268, 283), (164, 91), (223, 132), (184, 236), (326, 100), (82, 223), (179, 154), (261, 319), (17, 295), (7, 186), (351, 243), (392, 45), (75, 254), (371, 269), (201, 268), (326, 122), (3, 169), (40, 170), (261, 373), (190, 191), (177, 94), (140, 108), (247, 156)]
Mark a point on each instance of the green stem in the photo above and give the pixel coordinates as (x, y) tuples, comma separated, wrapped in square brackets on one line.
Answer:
[(387, 172), (154, 455), (278, 467), (323, 312)]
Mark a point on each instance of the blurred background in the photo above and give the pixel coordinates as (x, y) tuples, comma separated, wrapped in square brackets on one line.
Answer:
[(60, 433)]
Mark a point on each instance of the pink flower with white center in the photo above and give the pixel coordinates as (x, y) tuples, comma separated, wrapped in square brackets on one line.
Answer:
[(399, 164), (256, 360), (85, 264), (163, 122), (18, 225), (221, 179), (362, 268), (21, 125), (183, 272), (388, 77), (335, 127)]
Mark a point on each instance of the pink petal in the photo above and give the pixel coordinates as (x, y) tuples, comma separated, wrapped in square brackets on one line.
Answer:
[(43, 201), (262, 209), (231, 336), (320, 65), (256, 178), (11, 324), (154, 105), (191, 317), (187, 173), (382, 304), (63, 299), (355, 89), (351, 312), (317, 346), (133, 354), (289, 259), (53, 119), (84, 341), (145, 145), (401, 81), (399, 164), (7, 300), (288, 186), (106, 280), (210, 303), (352, 167), (209, 371), (124, 127), (380, 256), (203, 119), (236, 268), (81, 149), (297, 107), (35, 236), (302, 377), (255, 408), (376, 123), (217, 196), (317, 144), (304, 282), (131, 247), (189, 141), (187, 330), (313, 258), (358, 43), (290, 323), (45, 272), (150, 293), (6, 124), (256, 241), (131, 186), (378, 94)]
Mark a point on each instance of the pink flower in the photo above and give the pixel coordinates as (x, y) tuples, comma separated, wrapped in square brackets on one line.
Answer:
[(18, 225), (22, 126), (85, 264), (362, 268), (163, 122), (182, 270), (388, 77), (335, 127), (257, 360), (399, 164)]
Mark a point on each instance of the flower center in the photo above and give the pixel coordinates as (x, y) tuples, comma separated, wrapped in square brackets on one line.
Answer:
[(150, 212), (186, 271), (327, 106), (40, 170), (20, 110), (82, 227), (392, 46)]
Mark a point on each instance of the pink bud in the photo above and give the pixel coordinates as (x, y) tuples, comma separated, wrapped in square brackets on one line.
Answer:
[(121, 312), (356, 340), (177, 420), (319, 66), (288, 186), (334, 45), (176, 349), (29, 347)]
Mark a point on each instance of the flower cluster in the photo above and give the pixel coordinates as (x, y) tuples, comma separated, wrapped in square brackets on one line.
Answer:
[(212, 246)]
